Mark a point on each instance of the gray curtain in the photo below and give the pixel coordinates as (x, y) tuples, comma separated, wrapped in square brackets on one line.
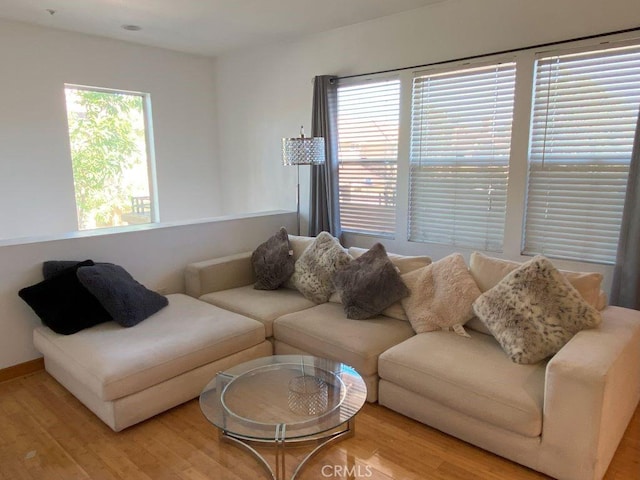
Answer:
[(324, 210), (625, 290)]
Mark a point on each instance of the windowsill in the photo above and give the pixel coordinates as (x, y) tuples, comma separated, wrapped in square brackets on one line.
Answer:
[(99, 232)]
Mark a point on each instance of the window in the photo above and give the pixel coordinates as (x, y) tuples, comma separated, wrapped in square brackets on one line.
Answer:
[(584, 116), (459, 163), (111, 170), (368, 119)]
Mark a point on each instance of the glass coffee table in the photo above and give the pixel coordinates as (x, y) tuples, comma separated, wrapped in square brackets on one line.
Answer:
[(284, 400)]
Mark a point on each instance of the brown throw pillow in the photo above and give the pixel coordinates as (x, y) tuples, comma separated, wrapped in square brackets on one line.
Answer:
[(273, 262), (369, 284)]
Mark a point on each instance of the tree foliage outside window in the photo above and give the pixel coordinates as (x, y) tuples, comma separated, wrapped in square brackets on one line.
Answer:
[(108, 153)]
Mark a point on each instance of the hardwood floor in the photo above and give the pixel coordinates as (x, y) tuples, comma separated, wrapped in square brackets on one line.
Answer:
[(45, 433)]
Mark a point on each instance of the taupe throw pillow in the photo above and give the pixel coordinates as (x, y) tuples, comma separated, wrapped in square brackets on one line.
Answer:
[(316, 265), (273, 261), (369, 284), (442, 295), (534, 311)]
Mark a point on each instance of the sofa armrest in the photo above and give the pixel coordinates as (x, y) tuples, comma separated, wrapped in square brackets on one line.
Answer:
[(219, 274), (591, 392)]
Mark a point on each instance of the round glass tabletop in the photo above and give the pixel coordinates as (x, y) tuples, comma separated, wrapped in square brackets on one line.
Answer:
[(283, 396)]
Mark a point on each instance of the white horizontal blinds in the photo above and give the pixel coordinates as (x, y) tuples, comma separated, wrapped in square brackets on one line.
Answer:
[(368, 121), (460, 144), (584, 117)]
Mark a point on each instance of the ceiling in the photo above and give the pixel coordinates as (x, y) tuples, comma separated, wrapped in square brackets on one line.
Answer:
[(206, 27)]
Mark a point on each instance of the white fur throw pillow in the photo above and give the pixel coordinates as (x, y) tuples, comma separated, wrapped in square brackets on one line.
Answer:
[(316, 265), (534, 311), (442, 295)]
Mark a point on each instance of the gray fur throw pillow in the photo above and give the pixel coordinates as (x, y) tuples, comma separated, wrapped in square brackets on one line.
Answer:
[(127, 301), (369, 284), (273, 261), (315, 267), (534, 311)]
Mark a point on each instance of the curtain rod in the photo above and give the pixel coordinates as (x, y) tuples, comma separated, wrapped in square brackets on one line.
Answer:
[(502, 52)]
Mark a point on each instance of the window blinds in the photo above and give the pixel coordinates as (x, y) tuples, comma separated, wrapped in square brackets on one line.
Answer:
[(584, 116), (368, 121), (459, 165)]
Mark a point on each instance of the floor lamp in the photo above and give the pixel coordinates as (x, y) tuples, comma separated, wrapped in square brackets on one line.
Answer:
[(302, 151)]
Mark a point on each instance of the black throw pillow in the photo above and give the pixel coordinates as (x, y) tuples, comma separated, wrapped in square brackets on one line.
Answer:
[(51, 268), (126, 300), (273, 261), (63, 304)]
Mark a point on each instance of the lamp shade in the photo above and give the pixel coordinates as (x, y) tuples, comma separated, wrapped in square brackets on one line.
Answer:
[(303, 151)]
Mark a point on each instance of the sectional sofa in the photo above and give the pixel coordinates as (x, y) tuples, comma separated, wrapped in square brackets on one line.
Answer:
[(563, 417)]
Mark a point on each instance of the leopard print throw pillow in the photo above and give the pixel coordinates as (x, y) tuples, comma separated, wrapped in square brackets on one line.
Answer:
[(534, 311)]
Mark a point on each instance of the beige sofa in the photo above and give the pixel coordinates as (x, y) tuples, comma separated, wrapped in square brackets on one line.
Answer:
[(564, 417)]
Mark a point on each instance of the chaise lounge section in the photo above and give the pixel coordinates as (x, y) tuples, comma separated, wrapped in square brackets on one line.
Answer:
[(126, 375)]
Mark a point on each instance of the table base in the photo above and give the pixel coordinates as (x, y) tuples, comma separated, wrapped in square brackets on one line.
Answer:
[(279, 443)]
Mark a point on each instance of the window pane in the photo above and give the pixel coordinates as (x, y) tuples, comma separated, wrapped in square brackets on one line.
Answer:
[(109, 157), (368, 119), (584, 116), (460, 146)]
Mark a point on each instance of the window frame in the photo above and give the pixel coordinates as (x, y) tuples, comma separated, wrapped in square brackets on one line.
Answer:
[(514, 220), (586, 48), (443, 70), (362, 81), (154, 214)]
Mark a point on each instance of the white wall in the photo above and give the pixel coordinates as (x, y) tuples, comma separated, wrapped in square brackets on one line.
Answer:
[(156, 257), (36, 180), (266, 93)]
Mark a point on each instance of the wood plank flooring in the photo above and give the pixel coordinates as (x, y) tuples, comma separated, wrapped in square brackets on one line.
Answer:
[(45, 433)]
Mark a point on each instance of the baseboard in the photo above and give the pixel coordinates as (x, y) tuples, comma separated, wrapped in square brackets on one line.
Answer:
[(21, 369)]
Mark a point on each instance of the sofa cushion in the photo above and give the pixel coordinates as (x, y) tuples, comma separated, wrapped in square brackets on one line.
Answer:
[(262, 305), (127, 301), (324, 331), (316, 265), (114, 362), (299, 244), (442, 295), (470, 375), (273, 261), (369, 284), (534, 311), (63, 303)]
